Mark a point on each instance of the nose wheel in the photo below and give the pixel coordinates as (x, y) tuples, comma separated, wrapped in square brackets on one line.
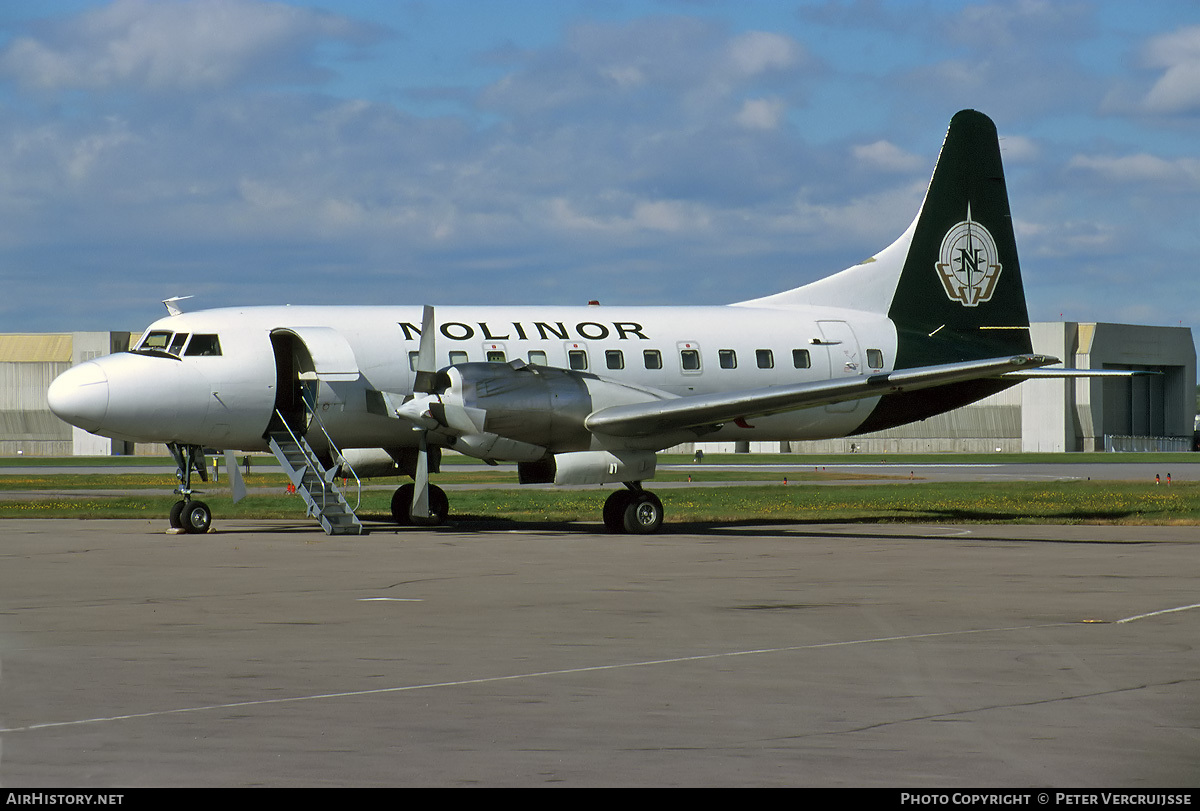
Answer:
[(193, 517), (633, 511)]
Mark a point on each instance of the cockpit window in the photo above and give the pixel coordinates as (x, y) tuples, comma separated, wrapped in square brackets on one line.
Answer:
[(207, 345), (156, 340), (165, 343)]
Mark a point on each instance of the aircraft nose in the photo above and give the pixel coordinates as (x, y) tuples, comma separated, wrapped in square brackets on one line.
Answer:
[(80, 396)]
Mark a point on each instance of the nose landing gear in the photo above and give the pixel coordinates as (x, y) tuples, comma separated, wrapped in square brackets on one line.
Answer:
[(191, 516)]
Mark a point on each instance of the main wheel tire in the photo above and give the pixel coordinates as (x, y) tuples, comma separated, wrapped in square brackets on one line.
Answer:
[(401, 504), (196, 517), (614, 510), (644, 514), (439, 506), (439, 503)]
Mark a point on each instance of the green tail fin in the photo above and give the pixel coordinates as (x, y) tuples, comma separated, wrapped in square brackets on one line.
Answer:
[(959, 296)]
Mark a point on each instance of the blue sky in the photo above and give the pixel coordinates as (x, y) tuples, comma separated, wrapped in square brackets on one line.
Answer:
[(648, 152)]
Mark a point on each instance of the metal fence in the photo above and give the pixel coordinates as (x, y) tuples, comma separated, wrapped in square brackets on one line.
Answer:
[(1116, 443)]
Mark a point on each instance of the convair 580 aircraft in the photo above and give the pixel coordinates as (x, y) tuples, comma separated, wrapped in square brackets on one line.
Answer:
[(582, 395)]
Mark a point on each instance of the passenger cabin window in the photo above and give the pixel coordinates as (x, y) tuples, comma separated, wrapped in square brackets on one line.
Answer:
[(765, 358), (801, 359), (537, 356), (495, 356), (458, 357), (412, 361), (614, 359), (577, 359), (875, 358), (727, 358), (652, 358), (203, 346), (689, 359)]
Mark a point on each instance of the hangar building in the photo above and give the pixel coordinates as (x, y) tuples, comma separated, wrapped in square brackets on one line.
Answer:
[(28, 362), (1153, 412), (1144, 413)]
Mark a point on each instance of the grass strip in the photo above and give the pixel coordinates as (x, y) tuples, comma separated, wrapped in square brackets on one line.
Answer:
[(1072, 502), (797, 459)]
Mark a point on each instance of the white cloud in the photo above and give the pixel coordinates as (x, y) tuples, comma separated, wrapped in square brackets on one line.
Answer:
[(889, 157), (1071, 238), (92, 148), (1178, 55), (873, 219), (629, 215), (1018, 149), (170, 141), (673, 67), (670, 215), (1140, 168), (1010, 24), (760, 114), (625, 75), (164, 45), (756, 52)]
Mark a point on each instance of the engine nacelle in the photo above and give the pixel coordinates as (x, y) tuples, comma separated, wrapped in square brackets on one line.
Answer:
[(370, 463), (498, 448), (603, 467), (530, 406)]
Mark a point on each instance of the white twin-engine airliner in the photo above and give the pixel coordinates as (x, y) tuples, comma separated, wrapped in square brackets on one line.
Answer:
[(582, 395)]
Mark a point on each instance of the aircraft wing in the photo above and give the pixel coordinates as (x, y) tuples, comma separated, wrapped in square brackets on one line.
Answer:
[(644, 419)]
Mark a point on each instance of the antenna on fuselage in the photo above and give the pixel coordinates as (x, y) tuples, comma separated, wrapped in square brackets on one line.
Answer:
[(171, 306)]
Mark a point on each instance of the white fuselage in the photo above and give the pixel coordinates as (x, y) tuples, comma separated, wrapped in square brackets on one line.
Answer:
[(226, 400)]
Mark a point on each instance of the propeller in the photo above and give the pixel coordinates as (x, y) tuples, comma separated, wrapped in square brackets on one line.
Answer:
[(427, 411), (419, 411)]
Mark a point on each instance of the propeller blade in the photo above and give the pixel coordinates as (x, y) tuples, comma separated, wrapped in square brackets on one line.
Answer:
[(420, 502), (423, 383)]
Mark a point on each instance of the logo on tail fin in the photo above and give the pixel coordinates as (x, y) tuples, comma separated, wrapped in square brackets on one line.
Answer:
[(969, 263)]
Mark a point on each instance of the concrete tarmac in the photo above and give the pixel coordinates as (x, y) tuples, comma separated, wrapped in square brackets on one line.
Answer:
[(484, 654)]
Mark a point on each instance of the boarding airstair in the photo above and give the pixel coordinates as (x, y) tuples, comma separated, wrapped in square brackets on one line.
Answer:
[(314, 482)]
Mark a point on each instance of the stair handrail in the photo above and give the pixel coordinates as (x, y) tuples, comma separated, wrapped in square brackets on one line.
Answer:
[(306, 449), (338, 455)]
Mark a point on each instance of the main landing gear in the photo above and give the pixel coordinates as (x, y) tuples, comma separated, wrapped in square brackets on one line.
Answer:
[(634, 511), (191, 516)]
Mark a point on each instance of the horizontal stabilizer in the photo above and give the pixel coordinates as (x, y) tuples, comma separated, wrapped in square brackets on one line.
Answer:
[(1045, 373), (645, 419)]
